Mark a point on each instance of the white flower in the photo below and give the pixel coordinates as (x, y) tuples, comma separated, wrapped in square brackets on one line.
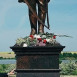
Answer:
[(51, 39), (43, 36), (48, 40), (37, 36), (25, 45)]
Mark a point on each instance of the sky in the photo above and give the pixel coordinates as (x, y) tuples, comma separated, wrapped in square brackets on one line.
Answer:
[(14, 22)]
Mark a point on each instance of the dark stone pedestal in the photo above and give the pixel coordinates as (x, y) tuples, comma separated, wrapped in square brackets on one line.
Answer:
[(37, 61), (3, 75)]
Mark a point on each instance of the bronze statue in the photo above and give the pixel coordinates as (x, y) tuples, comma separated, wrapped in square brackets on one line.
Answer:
[(42, 5)]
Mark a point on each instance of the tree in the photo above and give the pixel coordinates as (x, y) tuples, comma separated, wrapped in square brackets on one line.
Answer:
[(68, 68)]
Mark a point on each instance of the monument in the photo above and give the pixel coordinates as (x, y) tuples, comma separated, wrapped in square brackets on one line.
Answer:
[(34, 16), (38, 54)]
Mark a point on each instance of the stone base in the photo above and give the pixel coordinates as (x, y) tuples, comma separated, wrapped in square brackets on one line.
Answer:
[(3, 75), (38, 74), (37, 61)]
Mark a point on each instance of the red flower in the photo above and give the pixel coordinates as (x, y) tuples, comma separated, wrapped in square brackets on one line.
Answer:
[(39, 39), (44, 41), (54, 37), (31, 36)]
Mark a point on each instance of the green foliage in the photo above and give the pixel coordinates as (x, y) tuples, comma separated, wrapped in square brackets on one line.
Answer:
[(19, 41), (1, 57), (68, 68), (3, 67), (10, 67), (26, 40), (33, 40), (12, 76), (6, 68), (60, 61), (68, 56), (9, 52)]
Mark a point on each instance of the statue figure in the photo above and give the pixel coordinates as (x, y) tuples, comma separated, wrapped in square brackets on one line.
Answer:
[(42, 5)]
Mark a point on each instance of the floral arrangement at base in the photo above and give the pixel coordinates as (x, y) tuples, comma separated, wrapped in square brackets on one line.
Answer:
[(45, 39)]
